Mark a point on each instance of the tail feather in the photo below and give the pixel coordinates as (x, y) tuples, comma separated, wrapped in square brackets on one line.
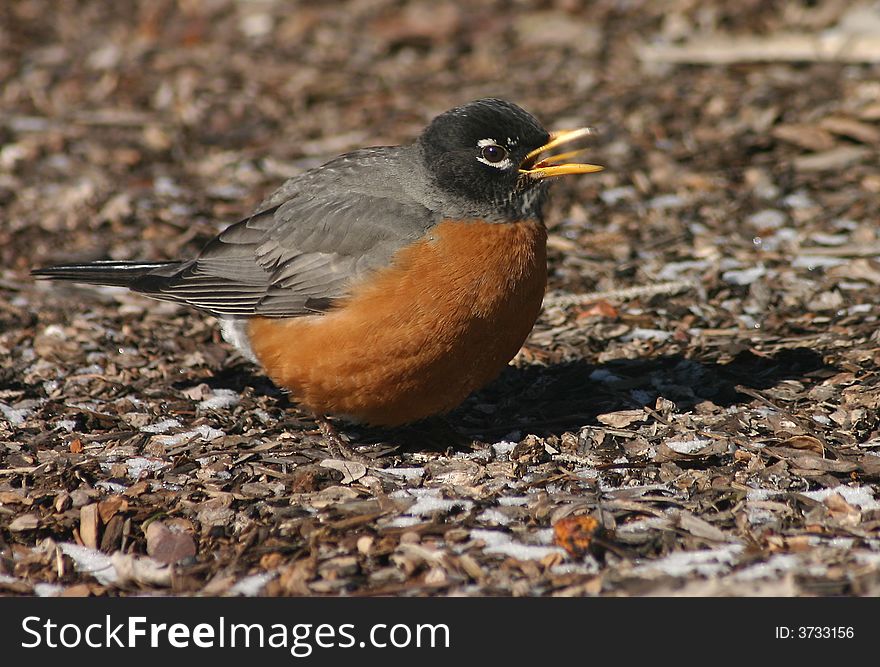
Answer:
[(135, 275)]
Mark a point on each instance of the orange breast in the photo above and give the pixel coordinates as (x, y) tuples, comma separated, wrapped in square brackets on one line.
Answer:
[(416, 338)]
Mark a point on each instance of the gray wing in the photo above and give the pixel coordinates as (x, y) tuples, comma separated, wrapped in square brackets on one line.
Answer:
[(301, 254)]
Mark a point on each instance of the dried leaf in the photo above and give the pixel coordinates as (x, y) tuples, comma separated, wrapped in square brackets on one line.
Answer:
[(575, 534), (806, 442), (699, 527), (622, 418)]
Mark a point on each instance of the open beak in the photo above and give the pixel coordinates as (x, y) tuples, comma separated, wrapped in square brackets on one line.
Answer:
[(555, 165)]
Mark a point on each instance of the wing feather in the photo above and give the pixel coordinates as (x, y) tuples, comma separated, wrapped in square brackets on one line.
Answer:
[(326, 231)]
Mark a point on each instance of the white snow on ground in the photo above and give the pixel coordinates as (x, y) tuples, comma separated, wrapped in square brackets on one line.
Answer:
[(492, 515), (772, 568), (409, 474), (429, 501), (761, 494), (513, 500), (860, 496), (45, 590), (91, 561), (252, 585), (705, 562), (138, 465), (204, 432), (503, 447), (14, 416), (688, 446), (404, 521), (498, 542), (221, 399), (646, 334), (161, 427)]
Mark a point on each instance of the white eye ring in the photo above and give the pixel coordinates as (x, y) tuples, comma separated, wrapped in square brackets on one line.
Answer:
[(504, 163)]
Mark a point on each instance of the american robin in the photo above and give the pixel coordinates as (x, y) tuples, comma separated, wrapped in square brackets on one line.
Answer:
[(391, 282)]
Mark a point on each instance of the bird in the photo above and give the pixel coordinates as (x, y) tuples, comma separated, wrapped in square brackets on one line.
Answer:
[(388, 284)]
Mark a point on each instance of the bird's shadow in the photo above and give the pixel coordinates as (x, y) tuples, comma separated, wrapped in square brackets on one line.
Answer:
[(554, 399), (551, 400)]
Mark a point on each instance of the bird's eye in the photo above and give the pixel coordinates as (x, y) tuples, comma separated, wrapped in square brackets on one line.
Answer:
[(493, 153)]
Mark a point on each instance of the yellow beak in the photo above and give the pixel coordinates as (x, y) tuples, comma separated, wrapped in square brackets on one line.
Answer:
[(550, 165)]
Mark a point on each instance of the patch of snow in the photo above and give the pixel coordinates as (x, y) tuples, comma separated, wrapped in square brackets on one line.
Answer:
[(507, 501), (502, 448), (761, 494), (204, 432), (16, 417), (493, 515), (263, 416), (688, 446), (115, 487), (139, 465), (252, 585), (498, 542), (427, 506), (44, 590), (704, 562), (544, 535), (221, 399), (646, 334), (404, 521), (772, 568), (161, 427), (91, 561), (429, 501), (860, 496), (409, 474)]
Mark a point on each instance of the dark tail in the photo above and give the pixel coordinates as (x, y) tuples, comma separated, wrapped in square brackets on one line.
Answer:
[(135, 275)]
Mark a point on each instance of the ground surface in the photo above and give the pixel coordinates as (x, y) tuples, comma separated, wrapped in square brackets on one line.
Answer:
[(713, 430)]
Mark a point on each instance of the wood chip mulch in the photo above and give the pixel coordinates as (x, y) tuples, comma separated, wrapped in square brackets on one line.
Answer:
[(697, 411)]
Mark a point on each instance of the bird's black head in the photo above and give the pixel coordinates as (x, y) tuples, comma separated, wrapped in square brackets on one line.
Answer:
[(485, 154)]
